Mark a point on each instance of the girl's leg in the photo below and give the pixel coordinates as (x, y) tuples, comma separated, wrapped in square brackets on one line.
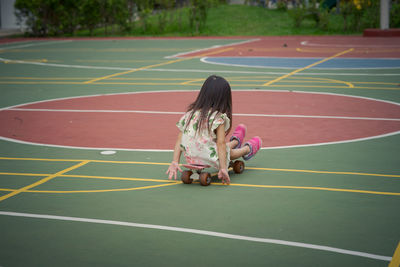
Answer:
[(232, 144), (239, 152), (237, 137), (248, 150)]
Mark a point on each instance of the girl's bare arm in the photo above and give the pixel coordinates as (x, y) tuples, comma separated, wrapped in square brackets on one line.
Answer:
[(174, 166), (221, 147)]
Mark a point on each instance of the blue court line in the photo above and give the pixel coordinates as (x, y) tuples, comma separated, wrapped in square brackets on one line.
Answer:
[(296, 63)]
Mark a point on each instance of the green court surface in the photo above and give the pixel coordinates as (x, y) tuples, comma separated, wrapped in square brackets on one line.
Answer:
[(314, 204)]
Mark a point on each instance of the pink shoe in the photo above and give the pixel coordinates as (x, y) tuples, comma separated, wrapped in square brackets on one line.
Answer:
[(255, 144), (239, 134)]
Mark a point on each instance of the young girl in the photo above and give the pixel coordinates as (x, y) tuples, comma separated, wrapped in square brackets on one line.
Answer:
[(204, 127)]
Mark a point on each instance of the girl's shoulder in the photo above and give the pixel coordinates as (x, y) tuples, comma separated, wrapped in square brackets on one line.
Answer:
[(218, 115), (217, 118), (188, 117)]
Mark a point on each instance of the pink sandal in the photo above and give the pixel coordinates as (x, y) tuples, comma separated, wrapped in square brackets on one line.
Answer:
[(239, 134), (255, 144)]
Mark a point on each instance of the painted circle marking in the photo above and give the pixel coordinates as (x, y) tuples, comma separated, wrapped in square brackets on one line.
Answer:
[(146, 120)]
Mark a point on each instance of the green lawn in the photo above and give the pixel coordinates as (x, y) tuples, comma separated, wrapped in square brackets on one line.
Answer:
[(231, 20)]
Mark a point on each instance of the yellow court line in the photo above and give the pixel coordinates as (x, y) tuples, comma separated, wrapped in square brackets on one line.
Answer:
[(321, 80), (7, 189), (24, 174), (186, 80), (89, 177), (333, 87), (167, 164), (134, 70), (79, 160), (43, 180), (395, 262), (104, 190), (192, 81), (118, 178), (166, 183), (94, 190), (320, 188), (116, 60), (325, 172), (358, 50), (307, 67), (155, 65), (41, 82), (172, 182), (199, 84)]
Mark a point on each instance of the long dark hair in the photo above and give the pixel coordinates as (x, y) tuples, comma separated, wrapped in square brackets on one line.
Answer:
[(215, 95)]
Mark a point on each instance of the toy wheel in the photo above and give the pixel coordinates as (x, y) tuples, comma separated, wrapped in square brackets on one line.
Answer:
[(238, 166), (185, 177), (205, 178)]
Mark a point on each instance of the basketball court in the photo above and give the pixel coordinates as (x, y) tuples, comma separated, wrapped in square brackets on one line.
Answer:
[(87, 132)]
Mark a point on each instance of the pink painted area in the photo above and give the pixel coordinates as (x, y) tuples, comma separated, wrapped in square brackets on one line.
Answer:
[(151, 101), (313, 46), (301, 103), (92, 130), (125, 130), (259, 102)]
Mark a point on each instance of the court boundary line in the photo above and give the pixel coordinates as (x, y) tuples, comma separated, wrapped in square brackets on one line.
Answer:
[(170, 182), (181, 113), (34, 43), (173, 91), (205, 60), (184, 70), (200, 232), (167, 164), (197, 90), (165, 182), (170, 150), (193, 83), (307, 43), (177, 55)]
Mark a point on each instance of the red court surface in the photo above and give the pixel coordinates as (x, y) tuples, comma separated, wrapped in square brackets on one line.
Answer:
[(311, 46), (129, 121)]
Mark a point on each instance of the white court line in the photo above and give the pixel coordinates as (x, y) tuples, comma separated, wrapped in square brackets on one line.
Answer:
[(201, 232), (61, 65), (181, 113), (189, 91), (182, 91), (170, 150), (212, 47), (206, 61), (307, 43), (191, 70), (35, 44)]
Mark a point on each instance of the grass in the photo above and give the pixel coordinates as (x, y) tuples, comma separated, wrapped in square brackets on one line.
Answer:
[(252, 20), (227, 20), (236, 20)]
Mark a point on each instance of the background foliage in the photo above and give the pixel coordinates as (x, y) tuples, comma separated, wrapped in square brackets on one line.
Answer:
[(198, 17)]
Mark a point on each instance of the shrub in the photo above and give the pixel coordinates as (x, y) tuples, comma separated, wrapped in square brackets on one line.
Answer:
[(395, 15), (312, 11), (298, 14)]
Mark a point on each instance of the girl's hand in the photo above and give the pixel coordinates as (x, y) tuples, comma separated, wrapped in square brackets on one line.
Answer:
[(224, 176), (172, 170)]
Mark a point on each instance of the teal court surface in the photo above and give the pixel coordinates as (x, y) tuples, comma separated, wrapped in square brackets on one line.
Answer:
[(87, 132)]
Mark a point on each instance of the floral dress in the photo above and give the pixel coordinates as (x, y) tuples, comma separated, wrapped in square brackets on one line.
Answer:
[(200, 147)]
